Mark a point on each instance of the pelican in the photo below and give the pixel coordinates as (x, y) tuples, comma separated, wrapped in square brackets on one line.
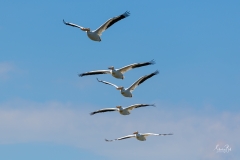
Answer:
[(139, 136), (118, 73), (127, 92), (122, 111), (96, 34)]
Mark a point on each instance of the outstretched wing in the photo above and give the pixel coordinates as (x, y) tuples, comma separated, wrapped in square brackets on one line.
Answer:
[(110, 22), (121, 138), (135, 65), (138, 106), (94, 72), (155, 134), (141, 80), (72, 24), (107, 83), (147, 77), (104, 110)]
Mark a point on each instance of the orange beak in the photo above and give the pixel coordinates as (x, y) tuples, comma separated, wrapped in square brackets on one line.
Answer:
[(119, 88), (85, 29)]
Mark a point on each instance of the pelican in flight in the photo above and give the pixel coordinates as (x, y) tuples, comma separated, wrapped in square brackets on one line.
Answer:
[(96, 34), (118, 73), (127, 92), (122, 111), (139, 136)]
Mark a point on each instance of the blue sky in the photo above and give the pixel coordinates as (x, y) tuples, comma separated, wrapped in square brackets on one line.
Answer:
[(45, 106)]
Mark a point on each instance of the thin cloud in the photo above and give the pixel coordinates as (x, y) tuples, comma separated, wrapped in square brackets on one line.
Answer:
[(195, 135), (5, 69)]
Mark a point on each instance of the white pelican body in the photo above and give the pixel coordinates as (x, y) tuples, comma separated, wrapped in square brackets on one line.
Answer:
[(122, 111), (128, 91), (93, 36), (96, 34), (118, 73), (139, 136)]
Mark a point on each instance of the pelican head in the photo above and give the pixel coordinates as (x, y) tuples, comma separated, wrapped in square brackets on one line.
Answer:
[(119, 107), (119, 88), (135, 132), (85, 29), (112, 68)]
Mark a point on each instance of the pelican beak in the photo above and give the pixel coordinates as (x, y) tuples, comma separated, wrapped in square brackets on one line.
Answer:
[(85, 29)]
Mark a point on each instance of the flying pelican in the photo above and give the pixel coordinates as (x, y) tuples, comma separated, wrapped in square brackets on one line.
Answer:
[(118, 73), (139, 136), (95, 35), (122, 111), (128, 91)]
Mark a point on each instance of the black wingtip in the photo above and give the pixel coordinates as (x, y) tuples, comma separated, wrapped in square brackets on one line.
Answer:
[(64, 22), (80, 75), (98, 80), (152, 61), (92, 113), (156, 72), (107, 140), (169, 134), (127, 13)]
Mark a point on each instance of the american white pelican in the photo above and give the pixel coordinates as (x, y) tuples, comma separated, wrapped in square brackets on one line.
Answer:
[(118, 73), (139, 136), (95, 35), (122, 111), (127, 92)]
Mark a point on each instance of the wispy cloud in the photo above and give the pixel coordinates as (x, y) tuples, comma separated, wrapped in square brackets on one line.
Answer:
[(195, 135), (5, 69)]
